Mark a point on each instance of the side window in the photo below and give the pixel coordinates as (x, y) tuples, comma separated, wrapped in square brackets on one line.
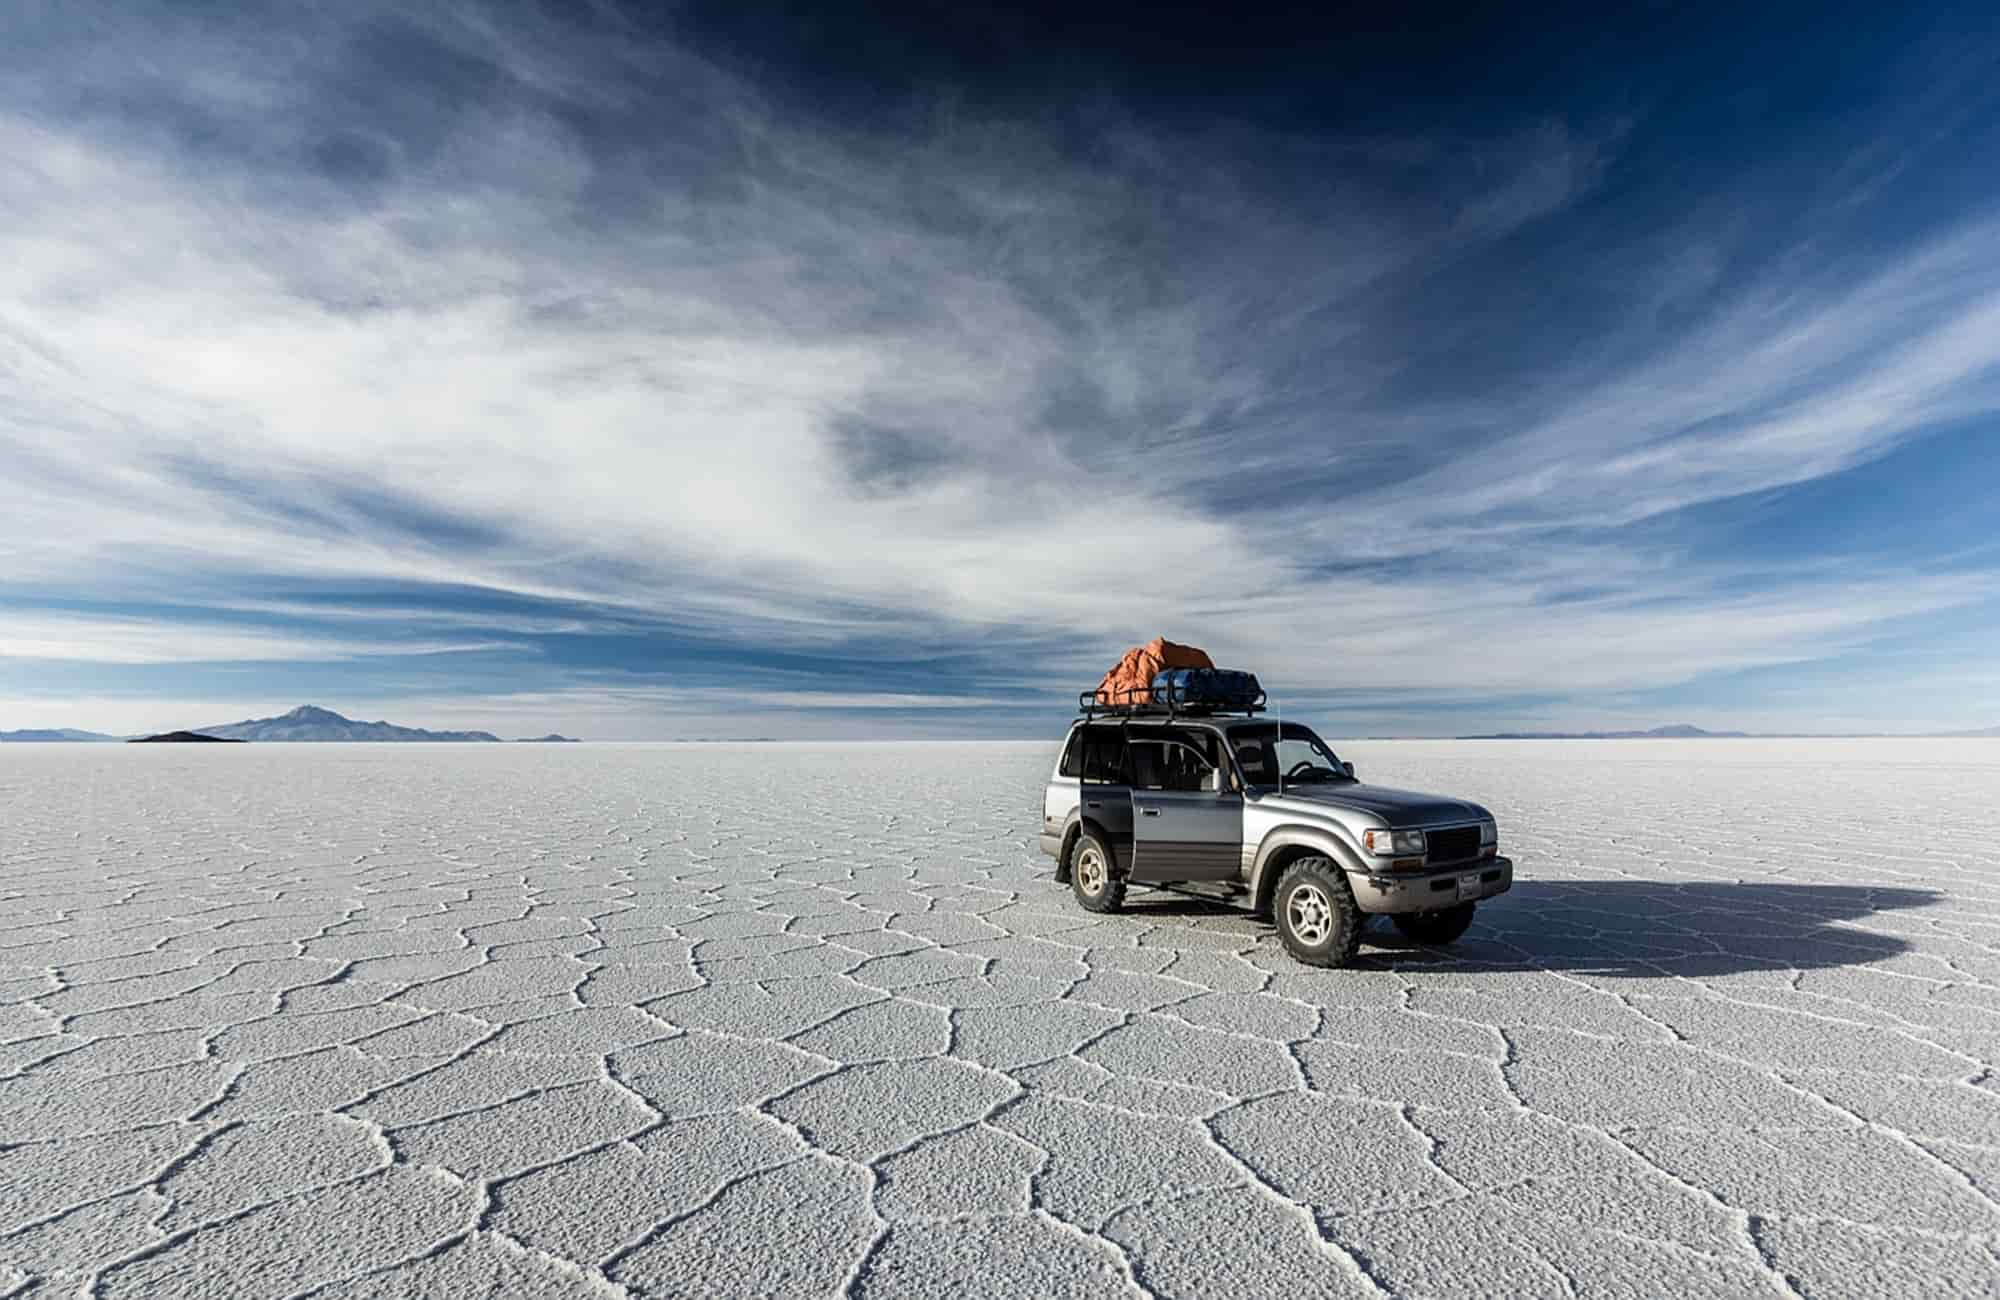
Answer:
[(1148, 766), (1097, 754), (1104, 759), (1203, 769), (1072, 759), (1173, 762), (1253, 755)]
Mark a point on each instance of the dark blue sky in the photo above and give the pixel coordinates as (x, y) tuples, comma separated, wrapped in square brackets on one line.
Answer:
[(722, 369)]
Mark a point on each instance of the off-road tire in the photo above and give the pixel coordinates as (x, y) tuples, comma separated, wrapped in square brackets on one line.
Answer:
[(1440, 927), (1093, 875), (1315, 912)]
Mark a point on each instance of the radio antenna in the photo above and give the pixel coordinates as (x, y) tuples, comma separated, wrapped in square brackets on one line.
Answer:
[(1278, 734)]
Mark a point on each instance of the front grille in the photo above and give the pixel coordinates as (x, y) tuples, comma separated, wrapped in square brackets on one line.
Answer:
[(1454, 845)]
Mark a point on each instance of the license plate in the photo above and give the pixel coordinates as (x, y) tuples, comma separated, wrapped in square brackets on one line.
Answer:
[(1469, 888)]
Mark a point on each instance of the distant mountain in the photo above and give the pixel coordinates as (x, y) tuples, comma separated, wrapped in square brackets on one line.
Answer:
[(184, 738), (551, 739), (1679, 731), (51, 734), (308, 722), (1683, 731)]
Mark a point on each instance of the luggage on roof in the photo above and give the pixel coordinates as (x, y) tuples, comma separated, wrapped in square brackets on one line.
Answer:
[(1130, 680), (1207, 688), (1163, 674)]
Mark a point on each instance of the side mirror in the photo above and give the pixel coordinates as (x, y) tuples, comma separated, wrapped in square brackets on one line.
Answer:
[(1349, 769)]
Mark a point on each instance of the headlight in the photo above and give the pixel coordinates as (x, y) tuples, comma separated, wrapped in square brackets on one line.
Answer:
[(1489, 833), (1394, 844)]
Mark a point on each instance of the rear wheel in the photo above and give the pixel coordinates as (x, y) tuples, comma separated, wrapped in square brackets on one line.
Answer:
[(1315, 913), (1442, 926), (1093, 877)]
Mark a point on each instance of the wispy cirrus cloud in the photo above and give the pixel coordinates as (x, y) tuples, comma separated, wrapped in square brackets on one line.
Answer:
[(157, 640), (1797, 380), (482, 300)]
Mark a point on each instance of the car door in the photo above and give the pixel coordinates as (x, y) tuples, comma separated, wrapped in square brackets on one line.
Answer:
[(1187, 820), (1102, 791)]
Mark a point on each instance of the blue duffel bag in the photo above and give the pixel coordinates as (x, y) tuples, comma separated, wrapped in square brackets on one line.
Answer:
[(1207, 688)]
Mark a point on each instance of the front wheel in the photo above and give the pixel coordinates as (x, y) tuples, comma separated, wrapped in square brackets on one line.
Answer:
[(1440, 927), (1092, 877), (1317, 919)]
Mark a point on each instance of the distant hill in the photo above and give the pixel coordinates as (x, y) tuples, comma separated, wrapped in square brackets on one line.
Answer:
[(1679, 731), (551, 739), (308, 722), (184, 738), (50, 735), (1683, 731)]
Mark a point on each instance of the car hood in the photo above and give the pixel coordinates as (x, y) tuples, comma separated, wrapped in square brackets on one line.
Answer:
[(1394, 807)]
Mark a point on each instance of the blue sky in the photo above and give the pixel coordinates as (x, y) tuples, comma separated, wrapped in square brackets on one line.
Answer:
[(647, 373)]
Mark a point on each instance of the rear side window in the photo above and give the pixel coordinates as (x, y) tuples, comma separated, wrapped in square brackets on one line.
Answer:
[(1096, 754)]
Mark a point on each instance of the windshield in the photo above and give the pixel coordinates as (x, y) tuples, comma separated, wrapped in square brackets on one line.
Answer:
[(1294, 755)]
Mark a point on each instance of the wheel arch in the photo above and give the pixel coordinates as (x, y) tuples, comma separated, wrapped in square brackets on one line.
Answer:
[(1076, 826), (1284, 845)]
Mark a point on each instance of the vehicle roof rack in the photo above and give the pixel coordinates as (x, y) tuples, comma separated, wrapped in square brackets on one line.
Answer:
[(1161, 701)]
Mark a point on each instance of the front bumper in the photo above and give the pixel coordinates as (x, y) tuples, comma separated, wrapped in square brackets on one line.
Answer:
[(1426, 891)]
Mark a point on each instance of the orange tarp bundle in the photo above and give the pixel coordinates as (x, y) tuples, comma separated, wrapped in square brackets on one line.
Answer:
[(1131, 682)]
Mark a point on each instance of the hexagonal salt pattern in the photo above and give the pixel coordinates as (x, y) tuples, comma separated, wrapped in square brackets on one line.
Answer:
[(792, 1020)]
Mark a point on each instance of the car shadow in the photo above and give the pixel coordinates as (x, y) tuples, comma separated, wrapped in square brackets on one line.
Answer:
[(1632, 928)]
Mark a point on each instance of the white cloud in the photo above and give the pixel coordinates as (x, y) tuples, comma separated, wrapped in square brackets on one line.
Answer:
[(101, 640)]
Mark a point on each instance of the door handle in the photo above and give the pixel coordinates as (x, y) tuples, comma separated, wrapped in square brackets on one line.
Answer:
[(1093, 803), (1149, 812)]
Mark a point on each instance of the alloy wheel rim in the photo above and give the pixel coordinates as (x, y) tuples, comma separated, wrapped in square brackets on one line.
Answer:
[(1310, 913), (1090, 872)]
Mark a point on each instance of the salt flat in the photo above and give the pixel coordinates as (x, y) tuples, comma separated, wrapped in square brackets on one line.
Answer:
[(714, 1020)]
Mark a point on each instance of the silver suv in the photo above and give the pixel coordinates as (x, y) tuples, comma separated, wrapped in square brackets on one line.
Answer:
[(1162, 797)]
